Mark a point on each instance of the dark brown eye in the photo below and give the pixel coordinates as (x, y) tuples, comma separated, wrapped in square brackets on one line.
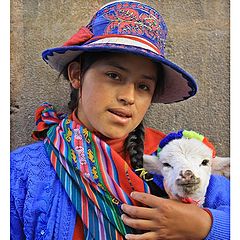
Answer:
[(113, 75), (167, 165), (205, 162), (144, 87)]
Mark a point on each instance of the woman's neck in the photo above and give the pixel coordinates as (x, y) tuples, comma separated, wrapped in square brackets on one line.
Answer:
[(116, 144)]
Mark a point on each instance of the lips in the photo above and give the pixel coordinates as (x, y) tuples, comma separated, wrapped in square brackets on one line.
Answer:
[(124, 113)]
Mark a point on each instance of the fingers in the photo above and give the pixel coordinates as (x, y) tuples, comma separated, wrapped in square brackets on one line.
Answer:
[(144, 236), (141, 224), (147, 199), (142, 218), (165, 219), (138, 212)]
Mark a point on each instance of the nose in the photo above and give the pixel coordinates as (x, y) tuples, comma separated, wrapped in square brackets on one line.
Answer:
[(188, 181), (187, 175), (126, 94)]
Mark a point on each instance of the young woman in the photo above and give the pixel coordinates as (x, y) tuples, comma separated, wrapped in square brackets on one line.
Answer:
[(85, 179)]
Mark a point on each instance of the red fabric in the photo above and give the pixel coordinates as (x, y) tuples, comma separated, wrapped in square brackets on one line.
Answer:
[(41, 125), (78, 230), (152, 140), (210, 145), (41, 116), (83, 35)]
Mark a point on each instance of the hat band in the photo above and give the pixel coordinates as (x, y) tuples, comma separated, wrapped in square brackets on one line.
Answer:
[(125, 40)]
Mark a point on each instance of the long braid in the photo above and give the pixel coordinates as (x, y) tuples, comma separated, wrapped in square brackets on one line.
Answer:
[(134, 146)]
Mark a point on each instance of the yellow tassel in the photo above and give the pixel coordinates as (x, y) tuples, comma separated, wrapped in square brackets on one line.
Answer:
[(143, 173)]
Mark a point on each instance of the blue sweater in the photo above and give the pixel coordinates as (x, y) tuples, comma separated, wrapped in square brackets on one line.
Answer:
[(41, 209)]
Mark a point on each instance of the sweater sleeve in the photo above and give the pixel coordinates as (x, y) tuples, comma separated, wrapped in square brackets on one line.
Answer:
[(218, 203), (16, 226), (17, 195)]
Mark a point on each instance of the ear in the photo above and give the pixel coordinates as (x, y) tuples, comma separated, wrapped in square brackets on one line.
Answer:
[(74, 71), (221, 166), (151, 163)]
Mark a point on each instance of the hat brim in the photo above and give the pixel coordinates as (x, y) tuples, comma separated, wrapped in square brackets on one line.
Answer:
[(179, 85)]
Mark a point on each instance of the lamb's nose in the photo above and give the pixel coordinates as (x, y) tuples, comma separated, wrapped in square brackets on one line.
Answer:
[(188, 181), (187, 175)]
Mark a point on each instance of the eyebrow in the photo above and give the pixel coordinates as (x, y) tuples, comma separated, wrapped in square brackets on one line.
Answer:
[(117, 65)]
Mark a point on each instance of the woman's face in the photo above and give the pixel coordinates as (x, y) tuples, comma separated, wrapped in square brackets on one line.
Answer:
[(115, 94)]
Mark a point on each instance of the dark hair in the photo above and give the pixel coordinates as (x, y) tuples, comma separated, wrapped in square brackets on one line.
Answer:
[(134, 143), (86, 60)]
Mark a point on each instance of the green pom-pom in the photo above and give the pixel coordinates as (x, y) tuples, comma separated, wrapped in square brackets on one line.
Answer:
[(192, 134)]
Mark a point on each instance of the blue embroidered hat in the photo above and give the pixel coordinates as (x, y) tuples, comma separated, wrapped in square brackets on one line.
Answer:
[(127, 27)]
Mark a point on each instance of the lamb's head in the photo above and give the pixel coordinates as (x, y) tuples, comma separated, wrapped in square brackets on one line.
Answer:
[(186, 168), (184, 160)]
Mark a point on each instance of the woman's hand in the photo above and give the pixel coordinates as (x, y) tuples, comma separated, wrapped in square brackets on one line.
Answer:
[(165, 219)]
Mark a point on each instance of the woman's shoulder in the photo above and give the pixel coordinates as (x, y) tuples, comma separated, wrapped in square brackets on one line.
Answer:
[(29, 157), (152, 140), (30, 151), (28, 148)]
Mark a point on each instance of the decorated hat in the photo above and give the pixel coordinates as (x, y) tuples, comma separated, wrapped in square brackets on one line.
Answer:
[(127, 27)]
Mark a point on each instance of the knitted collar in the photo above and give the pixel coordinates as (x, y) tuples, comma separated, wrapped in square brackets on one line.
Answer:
[(188, 135)]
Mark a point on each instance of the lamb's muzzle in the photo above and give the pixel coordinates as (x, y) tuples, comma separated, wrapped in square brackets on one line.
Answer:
[(188, 181)]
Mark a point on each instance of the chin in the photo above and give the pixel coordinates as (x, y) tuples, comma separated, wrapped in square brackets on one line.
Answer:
[(115, 134)]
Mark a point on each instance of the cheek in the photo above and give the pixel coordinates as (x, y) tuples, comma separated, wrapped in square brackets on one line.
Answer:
[(169, 175), (170, 179), (205, 175), (93, 94), (203, 171), (142, 105)]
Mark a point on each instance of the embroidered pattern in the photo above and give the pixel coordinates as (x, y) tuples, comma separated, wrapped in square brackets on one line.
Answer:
[(136, 20)]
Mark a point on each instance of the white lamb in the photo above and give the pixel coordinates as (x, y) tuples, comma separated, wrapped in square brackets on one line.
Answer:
[(186, 160)]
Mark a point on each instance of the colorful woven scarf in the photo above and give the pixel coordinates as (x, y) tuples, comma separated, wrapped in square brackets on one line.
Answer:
[(96, 178)]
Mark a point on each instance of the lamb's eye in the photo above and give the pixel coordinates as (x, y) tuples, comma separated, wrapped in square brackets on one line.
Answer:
[(205, 162), (166, 165)]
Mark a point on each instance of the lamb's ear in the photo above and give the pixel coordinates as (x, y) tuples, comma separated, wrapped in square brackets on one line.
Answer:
[(151, 163), (221, 166)]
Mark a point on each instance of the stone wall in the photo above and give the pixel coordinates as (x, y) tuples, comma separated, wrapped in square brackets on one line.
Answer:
[(198, 40)]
